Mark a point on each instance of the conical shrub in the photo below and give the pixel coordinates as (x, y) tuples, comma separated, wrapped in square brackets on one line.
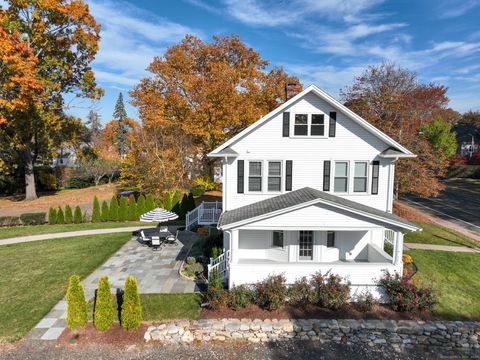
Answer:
[(131, 314), (68, 215), (113, 213), (191, 202), (105, 210), (96, 216), (149, 202), (132, 208), (60, 216), (123, 209), (76, 304), (77, 215), (176, 202), (141, 205), (104, 313), (52, 216), (183, 207), (167, 201)]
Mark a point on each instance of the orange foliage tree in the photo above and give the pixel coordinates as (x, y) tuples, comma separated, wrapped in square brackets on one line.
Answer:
[(58, 41), (392, 99)]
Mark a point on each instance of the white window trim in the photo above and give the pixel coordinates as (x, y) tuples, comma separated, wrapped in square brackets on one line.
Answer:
[(261, 177), (348, 177), (274, 247), (267, 175), (326, 124), (351, 173), (264, 177), (368, 163)]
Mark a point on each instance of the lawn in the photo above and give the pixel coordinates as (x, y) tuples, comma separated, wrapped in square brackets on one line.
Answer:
[(434, 234), (9, 232), (34, 276), (454, 278)]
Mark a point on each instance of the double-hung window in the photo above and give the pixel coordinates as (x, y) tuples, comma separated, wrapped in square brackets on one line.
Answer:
[(277, 239), (305, 245), (317, 126), (340, 183), (301, 125), (274, 175), (309, 125), (255, 176), (360, 177)]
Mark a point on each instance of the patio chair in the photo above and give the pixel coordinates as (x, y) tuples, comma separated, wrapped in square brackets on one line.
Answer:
[(162, 228), (171, 239), (143, 238), (156, 242)]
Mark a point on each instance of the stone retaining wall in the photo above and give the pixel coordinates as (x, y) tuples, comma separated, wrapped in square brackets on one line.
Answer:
[(450, 336)]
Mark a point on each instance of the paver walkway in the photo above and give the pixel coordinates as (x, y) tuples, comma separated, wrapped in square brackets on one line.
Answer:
[(22, 239), (412, 246), (156, 272)]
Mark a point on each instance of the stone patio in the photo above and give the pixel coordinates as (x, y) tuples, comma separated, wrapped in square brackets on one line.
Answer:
[(156, 272)]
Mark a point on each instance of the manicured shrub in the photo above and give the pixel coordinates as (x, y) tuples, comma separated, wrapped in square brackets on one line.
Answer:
[(105, 211), (76, 304), (211, 242), (183, 207), (301, 292), (366, 301), (96, 216), (167, 201), (206, 182), (192, 268), (68, 215), (191, 260), (271, 293), (85, 217), (330, 291), (176, 202), (197, 190), (113, 210), (131, 314), (141, 205), (123, 209), (191, 202), (60, 216), (215, 279), (216, 251), (132, 208), (104, 312), (77, 215), (404, 295), (149, 202), (33, 218), (216, 298), (239, 297), (52, 216), (12, 220)]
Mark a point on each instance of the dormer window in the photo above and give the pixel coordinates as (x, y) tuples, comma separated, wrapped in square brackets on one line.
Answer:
[(306, 125), (301, 125)]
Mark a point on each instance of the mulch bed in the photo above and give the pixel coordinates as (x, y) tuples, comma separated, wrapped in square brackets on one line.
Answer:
[(114, 336), (379, 312)]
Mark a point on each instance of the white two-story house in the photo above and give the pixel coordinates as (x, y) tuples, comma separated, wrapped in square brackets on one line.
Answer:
[(307, 188)]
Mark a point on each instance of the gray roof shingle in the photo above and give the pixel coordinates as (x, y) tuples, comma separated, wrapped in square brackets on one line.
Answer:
[(298, 197)]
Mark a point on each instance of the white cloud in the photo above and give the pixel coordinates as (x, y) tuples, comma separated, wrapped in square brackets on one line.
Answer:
[(455, 8)]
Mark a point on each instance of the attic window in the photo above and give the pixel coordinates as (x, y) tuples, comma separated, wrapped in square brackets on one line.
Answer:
[(317, 127), (301, 125)]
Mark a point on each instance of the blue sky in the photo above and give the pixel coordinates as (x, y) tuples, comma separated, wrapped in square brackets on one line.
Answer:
[(325, 42)]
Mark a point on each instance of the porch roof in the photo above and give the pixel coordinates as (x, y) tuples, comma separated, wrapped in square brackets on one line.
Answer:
[(303, 197)]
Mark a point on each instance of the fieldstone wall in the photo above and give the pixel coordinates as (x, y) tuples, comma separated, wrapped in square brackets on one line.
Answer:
[(450, 336)]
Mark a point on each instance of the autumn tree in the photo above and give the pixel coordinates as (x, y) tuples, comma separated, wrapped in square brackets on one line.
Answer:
[(198, 95), (58, 41), (392, 99)]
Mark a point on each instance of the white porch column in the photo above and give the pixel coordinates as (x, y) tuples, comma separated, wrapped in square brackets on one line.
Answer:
[(398, 248), (234, 238)]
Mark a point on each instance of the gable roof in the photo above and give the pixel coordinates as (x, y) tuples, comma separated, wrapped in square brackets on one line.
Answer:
[(300, 198), (330, 100)]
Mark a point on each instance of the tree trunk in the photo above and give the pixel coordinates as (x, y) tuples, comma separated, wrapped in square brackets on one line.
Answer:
[(210, 168), (30, 191)]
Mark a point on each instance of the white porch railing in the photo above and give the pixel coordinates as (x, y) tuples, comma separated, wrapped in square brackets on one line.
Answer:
[(220, 263), (389, 236), (207, 213)]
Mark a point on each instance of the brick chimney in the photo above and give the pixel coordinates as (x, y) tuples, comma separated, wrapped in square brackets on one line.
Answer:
[(292, 89)]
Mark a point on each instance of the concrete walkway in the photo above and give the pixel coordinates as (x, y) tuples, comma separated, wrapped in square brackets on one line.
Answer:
[(22, 239), (156, 272), (414, 246)]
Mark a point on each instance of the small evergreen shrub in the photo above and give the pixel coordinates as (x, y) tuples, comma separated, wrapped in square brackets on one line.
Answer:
[(211, 242), (68, 215), (52, 216), (85, 217), (77, 215), (301, 292), (193, 270), (365, 302), (176, 202), (113, 211), (404, 295), (96, 216), (217, 298), (216, 251), (132, 208), (239, 297), (33, 218), (271, 293), (131, 314), (76, 304), (105, 211), (167, 201), (191, 260), (197, 190), (191, 202), (60, 216), (330, 292), (215, 279), (149, 203), (104, 312), (182, 211), (141, 206), (123, 209)]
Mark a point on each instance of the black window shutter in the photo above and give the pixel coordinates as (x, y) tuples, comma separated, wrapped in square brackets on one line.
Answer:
[(375, 173), (240, 176), (326, 175), (286, 124), (333, 124), (288, 175)]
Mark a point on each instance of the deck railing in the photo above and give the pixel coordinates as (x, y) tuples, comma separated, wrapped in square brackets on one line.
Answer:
[(220, 263), (207, 213)]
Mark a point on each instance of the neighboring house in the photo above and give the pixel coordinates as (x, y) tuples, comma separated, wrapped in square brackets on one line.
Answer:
[(307, 188), (66, 156)]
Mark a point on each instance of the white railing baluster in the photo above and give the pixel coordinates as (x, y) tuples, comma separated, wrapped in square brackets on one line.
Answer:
[(220, 263)]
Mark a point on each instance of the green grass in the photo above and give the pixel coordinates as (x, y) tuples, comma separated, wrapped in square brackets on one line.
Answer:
[(34, 276), (437, 235), (14, 231), (454, 278)]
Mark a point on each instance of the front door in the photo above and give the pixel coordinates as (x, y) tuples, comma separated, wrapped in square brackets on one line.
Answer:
[(305, 248)]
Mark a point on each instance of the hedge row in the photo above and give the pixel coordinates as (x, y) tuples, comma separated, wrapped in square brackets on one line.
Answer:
[(66, 216), (23, 219)]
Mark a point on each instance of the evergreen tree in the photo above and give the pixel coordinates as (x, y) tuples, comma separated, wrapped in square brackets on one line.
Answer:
[(149, 202), (132, 208), (96, 217), (94, 125), (76, 304), (68, 215), (105, 211), (131, 314), (183, 207), (77, 215), (141, 205), (191, 202), (167, 201), (60, 216), (113, 212), (120, 115), (104, 312), (123, 209), (176, 202), (52, 216)]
